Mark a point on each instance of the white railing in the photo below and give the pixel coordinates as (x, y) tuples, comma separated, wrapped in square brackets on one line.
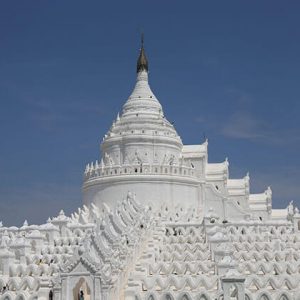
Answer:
[(93, 172)]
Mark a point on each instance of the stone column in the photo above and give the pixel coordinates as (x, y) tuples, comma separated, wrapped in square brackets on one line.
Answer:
[(105, 292), (97, 287), (57, 292)]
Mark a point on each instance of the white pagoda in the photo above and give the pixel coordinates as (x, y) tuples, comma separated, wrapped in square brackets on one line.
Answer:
[(158, 222)]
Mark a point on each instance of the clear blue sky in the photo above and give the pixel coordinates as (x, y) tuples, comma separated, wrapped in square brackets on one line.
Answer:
[(229, 70)]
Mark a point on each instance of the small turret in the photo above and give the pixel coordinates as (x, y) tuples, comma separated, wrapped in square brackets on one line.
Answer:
[(7, 257)]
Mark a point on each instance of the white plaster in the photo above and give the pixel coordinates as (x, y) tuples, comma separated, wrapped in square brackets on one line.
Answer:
[(158, 221)]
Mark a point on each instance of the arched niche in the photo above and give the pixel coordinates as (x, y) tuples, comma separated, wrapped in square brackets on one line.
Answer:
[(6, 297), (151, 297), (167, 296), (283, 296), (81, 286), (184, 296), (264, 297), (203, 296)]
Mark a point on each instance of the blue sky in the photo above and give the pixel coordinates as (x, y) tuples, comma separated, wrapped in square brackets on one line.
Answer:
[(228, 70)]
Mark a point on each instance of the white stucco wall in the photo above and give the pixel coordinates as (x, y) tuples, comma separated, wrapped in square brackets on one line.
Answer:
[(155, 190)]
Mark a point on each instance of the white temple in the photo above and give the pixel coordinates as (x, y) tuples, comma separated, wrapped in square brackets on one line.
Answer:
[(158, 222)]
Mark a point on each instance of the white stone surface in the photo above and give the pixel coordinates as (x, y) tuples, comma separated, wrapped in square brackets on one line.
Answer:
[(158, 221)]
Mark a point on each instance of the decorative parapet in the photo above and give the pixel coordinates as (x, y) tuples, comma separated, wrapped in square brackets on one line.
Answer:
[(94, 171)]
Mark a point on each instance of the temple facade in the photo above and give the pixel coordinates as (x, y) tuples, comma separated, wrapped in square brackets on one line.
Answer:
[(158, 222)]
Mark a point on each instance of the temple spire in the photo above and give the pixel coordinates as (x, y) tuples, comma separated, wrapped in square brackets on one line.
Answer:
[(142, 63)]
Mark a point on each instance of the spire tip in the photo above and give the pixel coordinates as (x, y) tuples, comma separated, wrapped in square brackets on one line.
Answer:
[(142, 63), (142, 40)]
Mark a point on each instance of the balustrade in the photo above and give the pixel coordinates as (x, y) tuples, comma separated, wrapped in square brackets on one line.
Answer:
[(108, 171)]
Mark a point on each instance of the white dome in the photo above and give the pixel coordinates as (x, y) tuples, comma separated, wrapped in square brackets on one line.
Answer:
[(141, 130), (141, 152)]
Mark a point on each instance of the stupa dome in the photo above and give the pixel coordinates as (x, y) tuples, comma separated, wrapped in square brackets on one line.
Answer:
[(142, 128)]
